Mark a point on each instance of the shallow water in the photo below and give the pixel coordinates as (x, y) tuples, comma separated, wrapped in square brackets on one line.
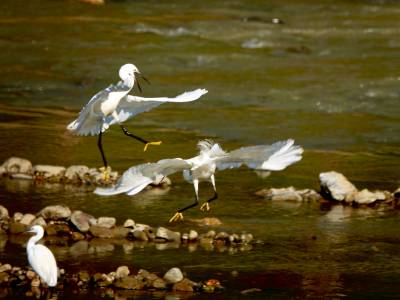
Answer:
[(327, 77)]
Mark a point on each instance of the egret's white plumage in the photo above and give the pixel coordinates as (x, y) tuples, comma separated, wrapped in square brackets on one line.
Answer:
[(113, 104), (41, 258), (273, 157)]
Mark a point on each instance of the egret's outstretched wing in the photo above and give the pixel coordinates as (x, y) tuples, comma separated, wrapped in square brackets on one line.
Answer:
[(273, 157), (43, 263), (131, 106), (138, 177), (90, 119)]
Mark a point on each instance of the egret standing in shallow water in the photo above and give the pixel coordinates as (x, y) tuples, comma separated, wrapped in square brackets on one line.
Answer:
[(113, 105), (41, 258), (273, 157)]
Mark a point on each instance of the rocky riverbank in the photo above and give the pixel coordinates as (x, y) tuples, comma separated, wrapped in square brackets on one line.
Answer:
[(21, 279)]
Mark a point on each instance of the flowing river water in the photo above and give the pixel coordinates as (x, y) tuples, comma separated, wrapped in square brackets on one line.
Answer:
[(327, 75)]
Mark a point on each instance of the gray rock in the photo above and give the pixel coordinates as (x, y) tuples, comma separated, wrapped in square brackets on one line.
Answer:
[(129, 223), (168, 235), (3, 213), (27, 219), (193, 235), (367, 197), (77, 173), (39, 221), (129, 283), (55, 212), (18, 216), (82, 221), (283, 194), (173, 275), (337, 187), (122, 272), (47, 171), (17, 165), (107, 222)]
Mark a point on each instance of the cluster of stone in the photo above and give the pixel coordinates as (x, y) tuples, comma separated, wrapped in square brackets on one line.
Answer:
[(172, 280), (334, 187), (77, 225)]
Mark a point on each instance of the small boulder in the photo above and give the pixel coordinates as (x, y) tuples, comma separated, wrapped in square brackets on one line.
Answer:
[(101, 232), (173, 275), (184, 285), (17, 217), (17, 165), (5, 268), (139, 235), (27, 219), (39, 221), (168, 235), (129, 283), (367, 197), (55, 212), (283, 194), (82, 221), (193, 235), (77, 173), (47, 171), (107, 222), (122, 272), (3, 213), (159, 283), (129, 223), (336, 186)]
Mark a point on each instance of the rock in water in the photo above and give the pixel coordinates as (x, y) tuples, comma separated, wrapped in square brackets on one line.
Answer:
[(367, 197), (82, 221), (27, 219), (337, 187), (55, 212), (17, 165), (168, 235), (47, 171), (129, 283), (107, 222), (122, 272), (3, 213), (173, 275), (184, 285), (77, 173)]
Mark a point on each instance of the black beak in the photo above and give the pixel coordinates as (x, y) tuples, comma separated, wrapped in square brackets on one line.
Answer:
[(139, 75)]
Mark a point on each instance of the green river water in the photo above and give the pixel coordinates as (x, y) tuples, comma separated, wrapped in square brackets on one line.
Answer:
[(328, 77)]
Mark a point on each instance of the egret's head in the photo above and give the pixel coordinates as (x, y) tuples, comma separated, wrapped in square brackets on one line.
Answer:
[(36, 229), (128, 70)]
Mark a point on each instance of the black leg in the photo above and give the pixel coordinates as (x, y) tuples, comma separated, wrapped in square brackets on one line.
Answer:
[(189, 206), (99, 144), (215, 197), (126, 132)]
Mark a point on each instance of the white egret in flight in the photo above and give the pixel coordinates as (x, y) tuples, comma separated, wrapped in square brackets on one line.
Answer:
[(273, 157), (113, 105), (41, 258)]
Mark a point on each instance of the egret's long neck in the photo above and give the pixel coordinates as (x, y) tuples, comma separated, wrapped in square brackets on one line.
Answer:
[(33, 240), (129, 81)]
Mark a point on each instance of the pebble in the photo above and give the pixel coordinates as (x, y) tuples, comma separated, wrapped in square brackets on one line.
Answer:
[(129, 223), (122, 272), (173, 275), (107, 222), (193, 235), (18, 216)]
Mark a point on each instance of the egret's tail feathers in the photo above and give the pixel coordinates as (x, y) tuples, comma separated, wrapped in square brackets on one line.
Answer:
[(287, 155)]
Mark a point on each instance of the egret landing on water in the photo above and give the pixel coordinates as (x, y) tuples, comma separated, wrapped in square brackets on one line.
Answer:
[(113, 105), (41, 258), (273, 157)]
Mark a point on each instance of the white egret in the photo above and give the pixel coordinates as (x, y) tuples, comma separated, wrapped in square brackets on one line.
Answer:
[(41, 258), (273, 157), (113, 105)]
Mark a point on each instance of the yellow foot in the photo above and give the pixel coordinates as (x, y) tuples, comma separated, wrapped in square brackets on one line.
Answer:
[(177, 216), (205, 207), (106, 173), (151, 143)]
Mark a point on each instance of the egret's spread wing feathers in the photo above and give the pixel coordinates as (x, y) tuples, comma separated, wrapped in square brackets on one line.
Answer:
[(131, 106), (43, 262), (90, 119), (138, 177), (273, 157)]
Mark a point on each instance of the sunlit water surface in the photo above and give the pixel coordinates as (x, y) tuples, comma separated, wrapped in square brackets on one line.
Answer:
[(327, 77)]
